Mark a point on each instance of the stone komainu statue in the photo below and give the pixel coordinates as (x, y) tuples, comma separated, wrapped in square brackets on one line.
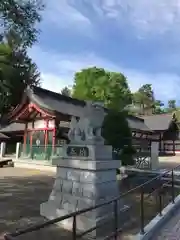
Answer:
[(88, 128)]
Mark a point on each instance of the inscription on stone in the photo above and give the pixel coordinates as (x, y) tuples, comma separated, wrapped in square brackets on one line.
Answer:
[(75, 151)]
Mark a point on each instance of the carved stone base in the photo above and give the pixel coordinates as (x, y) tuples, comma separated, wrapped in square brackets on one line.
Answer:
[(88, 220), (82, 183)]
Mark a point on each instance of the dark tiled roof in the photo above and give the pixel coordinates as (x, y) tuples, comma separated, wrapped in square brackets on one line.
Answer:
[(55, 102), (158, 122), (137, 124), (67, 105), (13, 127), (3, 136), (58, 103)]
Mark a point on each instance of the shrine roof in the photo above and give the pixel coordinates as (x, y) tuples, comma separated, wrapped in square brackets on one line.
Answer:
[(136, 123), (159, 122), (50, 102), (53, 103), (3, 136), (13, 127)]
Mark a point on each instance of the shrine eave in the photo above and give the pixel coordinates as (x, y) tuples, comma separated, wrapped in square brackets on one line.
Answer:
[(49, 103), (53, 104)]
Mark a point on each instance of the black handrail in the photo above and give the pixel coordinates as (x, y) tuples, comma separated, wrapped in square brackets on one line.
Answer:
[(10, 236)]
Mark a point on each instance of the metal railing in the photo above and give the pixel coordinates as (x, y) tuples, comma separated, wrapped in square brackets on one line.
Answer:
[(157, 185)]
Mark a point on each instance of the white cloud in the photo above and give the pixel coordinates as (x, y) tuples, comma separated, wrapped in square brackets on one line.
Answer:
[(166, 85), (146, 16), (59, 71), (62, 14), (54, 82)]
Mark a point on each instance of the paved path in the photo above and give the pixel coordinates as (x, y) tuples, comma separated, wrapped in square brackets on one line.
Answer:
[(171, 230)]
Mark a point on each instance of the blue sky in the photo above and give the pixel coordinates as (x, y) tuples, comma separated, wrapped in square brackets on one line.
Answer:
[(140, 38)]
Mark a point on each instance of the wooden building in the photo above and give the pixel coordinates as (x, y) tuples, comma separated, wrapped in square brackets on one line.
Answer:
[(41, 122), (166, 130)]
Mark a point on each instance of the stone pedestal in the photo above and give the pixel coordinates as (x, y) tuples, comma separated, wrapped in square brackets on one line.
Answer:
[(18, 150), (2, 149), (154, 155), (86, 176)]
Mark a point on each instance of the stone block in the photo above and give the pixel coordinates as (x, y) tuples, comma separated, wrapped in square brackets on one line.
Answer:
[(73, 175), (86, 165), (69, 203), (77, 189), (97, 177), (100, 191), (57, 184), (67, 186), (62, 173), (85, 203), (56, 199)]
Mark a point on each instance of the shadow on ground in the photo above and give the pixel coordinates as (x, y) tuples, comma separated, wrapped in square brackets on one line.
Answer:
[(20, 199)]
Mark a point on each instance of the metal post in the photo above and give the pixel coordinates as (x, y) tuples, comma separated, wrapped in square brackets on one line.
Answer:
[(115, 220), (172, 187), (160, 202), (74, 228), (142, 211)]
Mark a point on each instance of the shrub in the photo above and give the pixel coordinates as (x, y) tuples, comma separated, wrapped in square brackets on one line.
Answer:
[(117, 133)]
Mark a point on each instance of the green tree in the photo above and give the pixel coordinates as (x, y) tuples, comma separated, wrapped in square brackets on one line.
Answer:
[(17, 71), (139, 102), (66, 92), (144, 99), (172, 105), (158, 107), (99, 85), (21, 16), (119, 135)]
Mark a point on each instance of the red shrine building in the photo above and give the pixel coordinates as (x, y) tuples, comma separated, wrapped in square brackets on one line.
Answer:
[(41, 122)]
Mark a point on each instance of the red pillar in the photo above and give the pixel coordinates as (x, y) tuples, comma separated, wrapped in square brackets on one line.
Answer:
[(25, 137)]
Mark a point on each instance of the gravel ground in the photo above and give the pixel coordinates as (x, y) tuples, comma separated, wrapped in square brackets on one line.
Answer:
[(23, 190), (21, 193)]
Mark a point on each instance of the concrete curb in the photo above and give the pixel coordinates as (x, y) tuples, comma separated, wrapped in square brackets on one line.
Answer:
[(157, 222)]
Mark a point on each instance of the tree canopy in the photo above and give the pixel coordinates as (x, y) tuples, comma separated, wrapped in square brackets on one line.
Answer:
[(19, 31), (66, 91), (144, 98), (119, 135), (172, 105), (99, 85), (21, 17), (16, 72)]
